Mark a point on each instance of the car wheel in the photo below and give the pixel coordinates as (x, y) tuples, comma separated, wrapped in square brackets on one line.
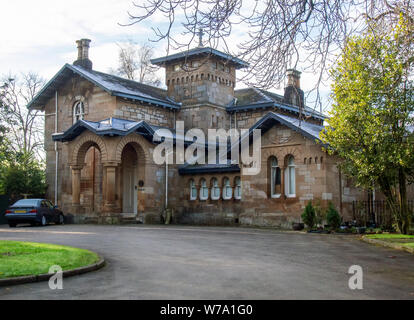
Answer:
[(44, 221), (61, 219), (12, 225)]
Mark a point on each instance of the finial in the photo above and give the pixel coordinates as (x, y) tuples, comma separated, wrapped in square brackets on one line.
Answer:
[(200, 37)]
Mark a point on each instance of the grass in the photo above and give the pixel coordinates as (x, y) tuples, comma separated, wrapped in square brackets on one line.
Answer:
[(385, 236), (406, 240), (27, 258)]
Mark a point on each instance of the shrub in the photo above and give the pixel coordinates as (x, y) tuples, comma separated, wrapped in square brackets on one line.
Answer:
[(309, 216), (333, 218), (23, 175), (320, 214)]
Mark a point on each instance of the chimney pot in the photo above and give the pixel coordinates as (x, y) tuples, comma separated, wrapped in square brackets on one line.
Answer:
[(294, 78), (294, 95), (83, 54)]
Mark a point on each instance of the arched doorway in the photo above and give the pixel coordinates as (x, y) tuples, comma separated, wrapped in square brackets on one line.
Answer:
[(129, 181), (91, 195)]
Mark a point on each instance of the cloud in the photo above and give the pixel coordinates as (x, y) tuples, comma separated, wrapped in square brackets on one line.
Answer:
[(40, 35), (37, 34)]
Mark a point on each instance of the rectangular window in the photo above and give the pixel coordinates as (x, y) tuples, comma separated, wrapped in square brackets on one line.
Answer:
[(276, 182), (193, 193), (292, 187)]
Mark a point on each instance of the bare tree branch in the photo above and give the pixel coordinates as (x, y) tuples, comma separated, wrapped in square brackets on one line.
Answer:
[(25, 126), (305, 34), (135, 64)]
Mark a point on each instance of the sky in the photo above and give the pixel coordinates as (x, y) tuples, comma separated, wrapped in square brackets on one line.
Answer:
[(39, 36)]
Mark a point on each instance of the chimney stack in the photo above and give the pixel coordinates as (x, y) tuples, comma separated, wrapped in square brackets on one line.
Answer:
[(83, 54), (294, 95)]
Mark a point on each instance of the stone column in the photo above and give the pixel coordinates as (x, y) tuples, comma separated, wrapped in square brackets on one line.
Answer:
[(76, 183), (111, 188), (282, 186)]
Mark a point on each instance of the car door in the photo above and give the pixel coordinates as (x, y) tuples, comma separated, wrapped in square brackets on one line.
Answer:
[(54, 211), (45, 210)]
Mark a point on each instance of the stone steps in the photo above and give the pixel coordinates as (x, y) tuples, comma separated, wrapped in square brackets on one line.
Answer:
[(129, 220)]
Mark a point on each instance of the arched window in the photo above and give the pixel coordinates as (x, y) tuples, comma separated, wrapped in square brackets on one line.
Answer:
[(227, 189), (78, 111), (275, 178), (193, 190), (203, 190), (215, 191), (290, 178), (238, 189)]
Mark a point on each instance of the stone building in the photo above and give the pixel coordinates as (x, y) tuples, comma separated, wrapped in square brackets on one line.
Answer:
[(99, 132)]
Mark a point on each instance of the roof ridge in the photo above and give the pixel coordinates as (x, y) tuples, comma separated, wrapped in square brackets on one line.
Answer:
[(262, 94), (129, 80)]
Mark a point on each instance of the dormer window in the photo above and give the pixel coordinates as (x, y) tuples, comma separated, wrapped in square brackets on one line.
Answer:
[(78, 111)]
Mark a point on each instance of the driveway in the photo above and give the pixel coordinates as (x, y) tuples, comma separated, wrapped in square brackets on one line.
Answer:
[(156, 262)]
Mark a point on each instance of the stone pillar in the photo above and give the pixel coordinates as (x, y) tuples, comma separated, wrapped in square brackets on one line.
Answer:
[(76, 183), (282, 192), (111, 188)]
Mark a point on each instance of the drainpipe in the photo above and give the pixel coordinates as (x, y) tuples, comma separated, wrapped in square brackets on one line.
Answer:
[(56, 149), (168, 212), (166, 184)]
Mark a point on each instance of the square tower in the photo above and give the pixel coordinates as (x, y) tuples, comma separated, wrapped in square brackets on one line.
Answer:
[(201, 76)]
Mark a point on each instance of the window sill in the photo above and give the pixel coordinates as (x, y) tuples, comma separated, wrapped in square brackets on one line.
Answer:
[(276, 196)]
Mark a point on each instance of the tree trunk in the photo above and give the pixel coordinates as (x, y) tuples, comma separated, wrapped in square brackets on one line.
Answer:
[(405, 215)]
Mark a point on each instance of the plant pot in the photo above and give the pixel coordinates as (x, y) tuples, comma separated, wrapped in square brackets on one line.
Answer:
[(361, 230), (298, 226)]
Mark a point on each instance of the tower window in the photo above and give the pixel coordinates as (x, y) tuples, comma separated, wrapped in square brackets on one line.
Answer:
[(78, 111)]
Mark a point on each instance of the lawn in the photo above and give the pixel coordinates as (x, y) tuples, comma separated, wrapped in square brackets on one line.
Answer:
[(26, 258), (385, 236), (400, 239)]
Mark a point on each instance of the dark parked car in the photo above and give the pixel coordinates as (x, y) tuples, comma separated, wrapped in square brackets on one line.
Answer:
[(33, 211)]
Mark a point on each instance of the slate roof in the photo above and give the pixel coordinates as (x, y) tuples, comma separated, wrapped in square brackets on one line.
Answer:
[(307, 129), (114, 85), (117, 127), (204, 51), (208, 168), (122, 127), (253, 98)]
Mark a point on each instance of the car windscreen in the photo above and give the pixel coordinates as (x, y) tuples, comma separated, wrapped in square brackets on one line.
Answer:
[(26, 203)]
